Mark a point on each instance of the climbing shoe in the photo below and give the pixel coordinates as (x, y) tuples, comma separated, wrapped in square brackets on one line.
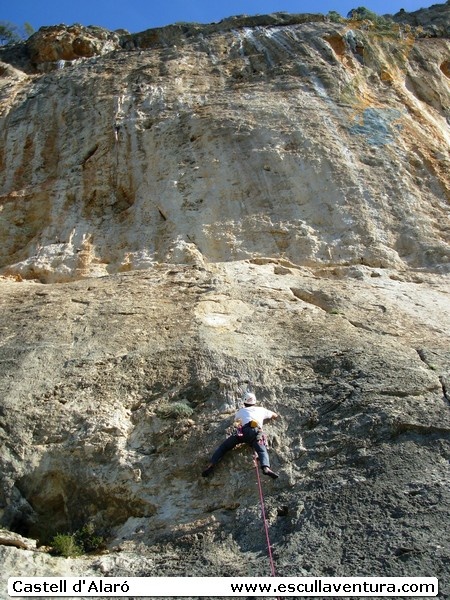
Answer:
[(209, 469), (270, 473)]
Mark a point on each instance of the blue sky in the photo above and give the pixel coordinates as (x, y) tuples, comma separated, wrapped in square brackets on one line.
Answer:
[(138, 15)]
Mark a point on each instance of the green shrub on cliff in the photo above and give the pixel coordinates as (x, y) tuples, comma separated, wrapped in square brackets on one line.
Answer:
[(88, 539), (11, 33), (175, 410), (78, 543), (64, 544), (362, 13)]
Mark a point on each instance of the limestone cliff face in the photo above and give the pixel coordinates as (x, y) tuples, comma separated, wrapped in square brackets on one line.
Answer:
[(317, 142), (190, 212)]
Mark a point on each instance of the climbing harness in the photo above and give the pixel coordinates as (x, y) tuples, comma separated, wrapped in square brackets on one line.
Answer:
[(263, 515), (239, 429)]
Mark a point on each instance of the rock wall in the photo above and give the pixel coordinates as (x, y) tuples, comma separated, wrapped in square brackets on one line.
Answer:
[(116, 390), (263, 207), (314, 142)]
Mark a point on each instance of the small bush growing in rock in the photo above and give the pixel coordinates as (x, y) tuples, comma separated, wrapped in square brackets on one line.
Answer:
[(78, 543), (87, 538), (364, 14), (175, 410), (64, 544), (335, 17)]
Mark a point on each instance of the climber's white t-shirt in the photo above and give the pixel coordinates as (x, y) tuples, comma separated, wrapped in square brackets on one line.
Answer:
[(253, 413)]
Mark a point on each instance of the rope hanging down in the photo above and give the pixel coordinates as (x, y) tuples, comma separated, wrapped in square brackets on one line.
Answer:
[(263, 514)]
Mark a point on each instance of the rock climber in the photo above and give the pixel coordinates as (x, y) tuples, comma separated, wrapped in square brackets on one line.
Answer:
[(249, 421)]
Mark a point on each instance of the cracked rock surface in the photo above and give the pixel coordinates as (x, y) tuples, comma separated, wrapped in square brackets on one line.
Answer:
[(93, 374)]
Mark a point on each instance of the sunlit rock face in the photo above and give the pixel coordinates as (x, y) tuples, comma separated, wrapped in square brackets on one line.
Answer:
[(193, 211), (320, 143)]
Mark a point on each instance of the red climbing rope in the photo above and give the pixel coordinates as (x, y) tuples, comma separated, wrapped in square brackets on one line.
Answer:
[(263, 514)]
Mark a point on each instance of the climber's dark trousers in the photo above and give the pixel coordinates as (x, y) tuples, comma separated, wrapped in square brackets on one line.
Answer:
[(249, 436)]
